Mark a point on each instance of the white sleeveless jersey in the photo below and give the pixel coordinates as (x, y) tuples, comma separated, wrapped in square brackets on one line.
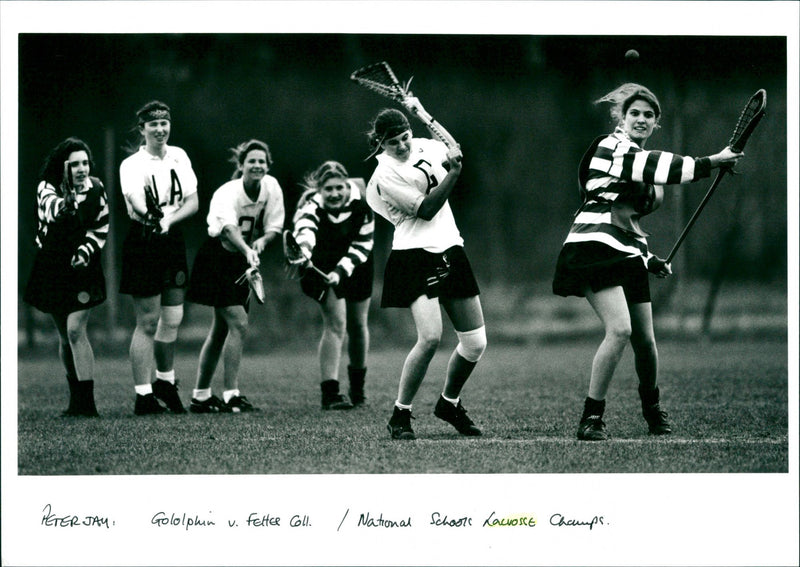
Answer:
[(397, 189)]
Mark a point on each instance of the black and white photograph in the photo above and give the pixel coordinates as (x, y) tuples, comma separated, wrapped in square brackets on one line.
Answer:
[(399, 283)]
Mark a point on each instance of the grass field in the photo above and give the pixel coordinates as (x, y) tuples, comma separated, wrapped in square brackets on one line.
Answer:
[(727, 400)]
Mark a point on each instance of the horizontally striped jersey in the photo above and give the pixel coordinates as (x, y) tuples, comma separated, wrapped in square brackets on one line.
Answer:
[(91, 218), (338, 241), (230, 205), (397, 189), (610, 178), (171, 178)]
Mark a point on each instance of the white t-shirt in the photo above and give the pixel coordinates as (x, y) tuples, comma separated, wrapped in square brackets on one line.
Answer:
[(172, 178), (230, 205), (397, 189)]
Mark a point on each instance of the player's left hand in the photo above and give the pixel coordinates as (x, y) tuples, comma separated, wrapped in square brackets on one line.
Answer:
[(333, 278), (80, 259), (659, 267)]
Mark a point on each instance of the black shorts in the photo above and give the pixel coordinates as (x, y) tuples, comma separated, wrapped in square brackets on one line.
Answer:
[(56, 287), (600, 267), (412, 273), (357, 287), (214, 274), (152, 263)]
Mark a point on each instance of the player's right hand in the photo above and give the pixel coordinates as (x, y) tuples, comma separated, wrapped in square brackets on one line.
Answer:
[(252, 258), (412, 104), (726, 158), (454, 157)]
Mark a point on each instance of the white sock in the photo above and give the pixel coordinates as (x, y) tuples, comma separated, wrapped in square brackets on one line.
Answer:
[(168, 376), (402, 406), (143, 389), (201, 395), (454, 402), (228, 394)]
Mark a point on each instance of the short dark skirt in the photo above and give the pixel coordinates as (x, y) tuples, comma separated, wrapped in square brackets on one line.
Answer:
[(357, 287), (56, 287), (412, 273), (600, 267), (214, 274), (152, 263)]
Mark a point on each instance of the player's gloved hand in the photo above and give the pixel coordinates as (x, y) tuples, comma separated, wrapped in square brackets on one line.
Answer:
[(659, 267), (81, 258), (164, 223), (333, 278)]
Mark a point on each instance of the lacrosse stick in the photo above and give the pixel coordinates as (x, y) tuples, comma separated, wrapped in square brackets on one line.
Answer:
[(380, 78), (68, 190), (297, 257), (252, 277), (154, 212), (748, 120)]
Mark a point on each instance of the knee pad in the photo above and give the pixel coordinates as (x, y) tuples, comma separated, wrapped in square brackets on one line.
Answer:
[(168, 323), (471, 344)]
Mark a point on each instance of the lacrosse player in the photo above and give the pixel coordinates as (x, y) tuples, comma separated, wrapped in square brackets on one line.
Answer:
[(427, 266), (244, 216), (160, 191), (67, 276), (335, 226), (605, 256)]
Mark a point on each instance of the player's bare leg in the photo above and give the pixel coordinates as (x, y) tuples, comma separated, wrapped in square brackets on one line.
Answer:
[(236, 319), (646, 362), (612, 309), (210, 353), (330, 353), (357, 348), (467, 318), (466, 315), (78, 358), (170, 317), (428, 320), (141, 353)]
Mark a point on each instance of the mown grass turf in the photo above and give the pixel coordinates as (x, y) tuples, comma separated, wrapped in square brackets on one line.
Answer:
[(727, 400)]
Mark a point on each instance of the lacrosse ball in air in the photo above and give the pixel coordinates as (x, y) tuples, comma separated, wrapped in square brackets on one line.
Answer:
[(631, 55)]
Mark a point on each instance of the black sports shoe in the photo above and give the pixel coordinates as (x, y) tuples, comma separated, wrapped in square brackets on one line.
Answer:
[(147, 405), (400, 424), (238, 404), (357, 377), (167, 392), (592, 428), (456, 416), (656, 420), (81, 400), (211, 405), (331, 398), (336, 402)]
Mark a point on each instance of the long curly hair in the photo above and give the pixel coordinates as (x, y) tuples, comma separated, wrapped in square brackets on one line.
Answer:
[(52, 170), (626, 94)]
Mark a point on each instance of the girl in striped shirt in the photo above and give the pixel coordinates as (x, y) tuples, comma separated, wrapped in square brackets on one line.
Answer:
[(67, 277), (335, 226), (605, 256)]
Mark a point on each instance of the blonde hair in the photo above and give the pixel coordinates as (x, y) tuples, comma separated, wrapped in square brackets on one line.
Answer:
[(313, 180)]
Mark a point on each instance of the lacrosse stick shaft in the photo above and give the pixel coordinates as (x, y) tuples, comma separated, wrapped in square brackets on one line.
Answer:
[(696, 214)]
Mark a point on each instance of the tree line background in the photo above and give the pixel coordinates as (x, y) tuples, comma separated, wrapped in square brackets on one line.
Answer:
[(520, 106)]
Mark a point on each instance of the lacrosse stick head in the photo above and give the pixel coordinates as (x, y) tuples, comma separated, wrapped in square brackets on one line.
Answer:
[(751, 115), (295, 255), (252, 277), (380, 78)]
